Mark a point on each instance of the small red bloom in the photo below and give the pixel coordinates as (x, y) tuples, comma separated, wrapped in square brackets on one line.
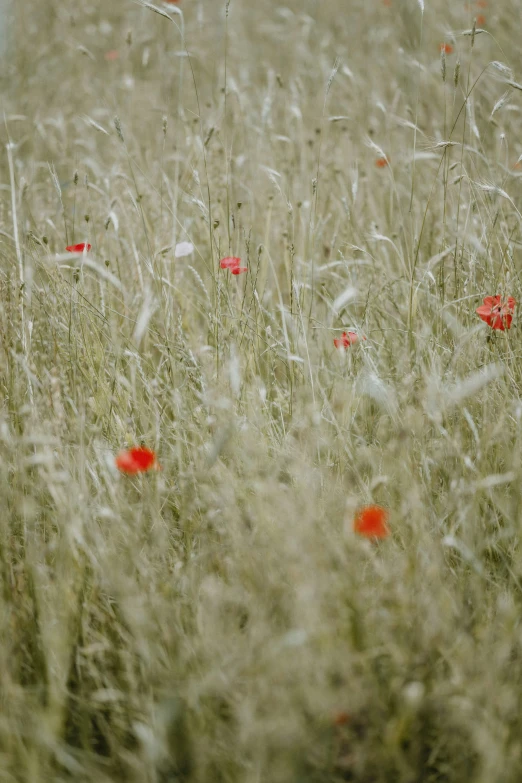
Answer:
[(347, 339), (496, 313), (387, 3), (481, 20), (372, 522), (446, 48), (482, 4), (136, 460), (78, 248), (381, 163), (229, 262), (234, 264), (341, 718), (112, 54)]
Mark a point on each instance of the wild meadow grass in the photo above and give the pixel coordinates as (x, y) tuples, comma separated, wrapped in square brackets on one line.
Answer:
[(219, 619)]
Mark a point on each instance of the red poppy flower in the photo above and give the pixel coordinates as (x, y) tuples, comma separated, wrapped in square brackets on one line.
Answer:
[(496, 313), (446, 48), (78, 248), (347, 339), (111, 55), (482, 4), (372, 522), (234, 264), (341, 718), (381, 163), (229, 262), (387, 3), (136, 460), (481, 20)]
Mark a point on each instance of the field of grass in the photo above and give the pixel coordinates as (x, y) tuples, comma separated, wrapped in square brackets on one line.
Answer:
[(218, 619)]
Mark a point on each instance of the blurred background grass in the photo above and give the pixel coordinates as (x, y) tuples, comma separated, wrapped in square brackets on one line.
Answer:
[(219, 620)]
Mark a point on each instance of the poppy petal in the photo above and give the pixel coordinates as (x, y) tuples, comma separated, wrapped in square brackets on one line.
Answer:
[(342, 341), (229, 262), (497, 314), (136, 460), (78, 248), (372, 522), (347, 339), (501, 321), (484, 312)]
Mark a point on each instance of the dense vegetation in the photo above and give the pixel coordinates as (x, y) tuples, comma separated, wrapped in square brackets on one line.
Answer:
[(218, 618)]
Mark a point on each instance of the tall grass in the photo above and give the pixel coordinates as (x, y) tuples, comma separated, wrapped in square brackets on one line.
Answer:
[(219, 620)]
